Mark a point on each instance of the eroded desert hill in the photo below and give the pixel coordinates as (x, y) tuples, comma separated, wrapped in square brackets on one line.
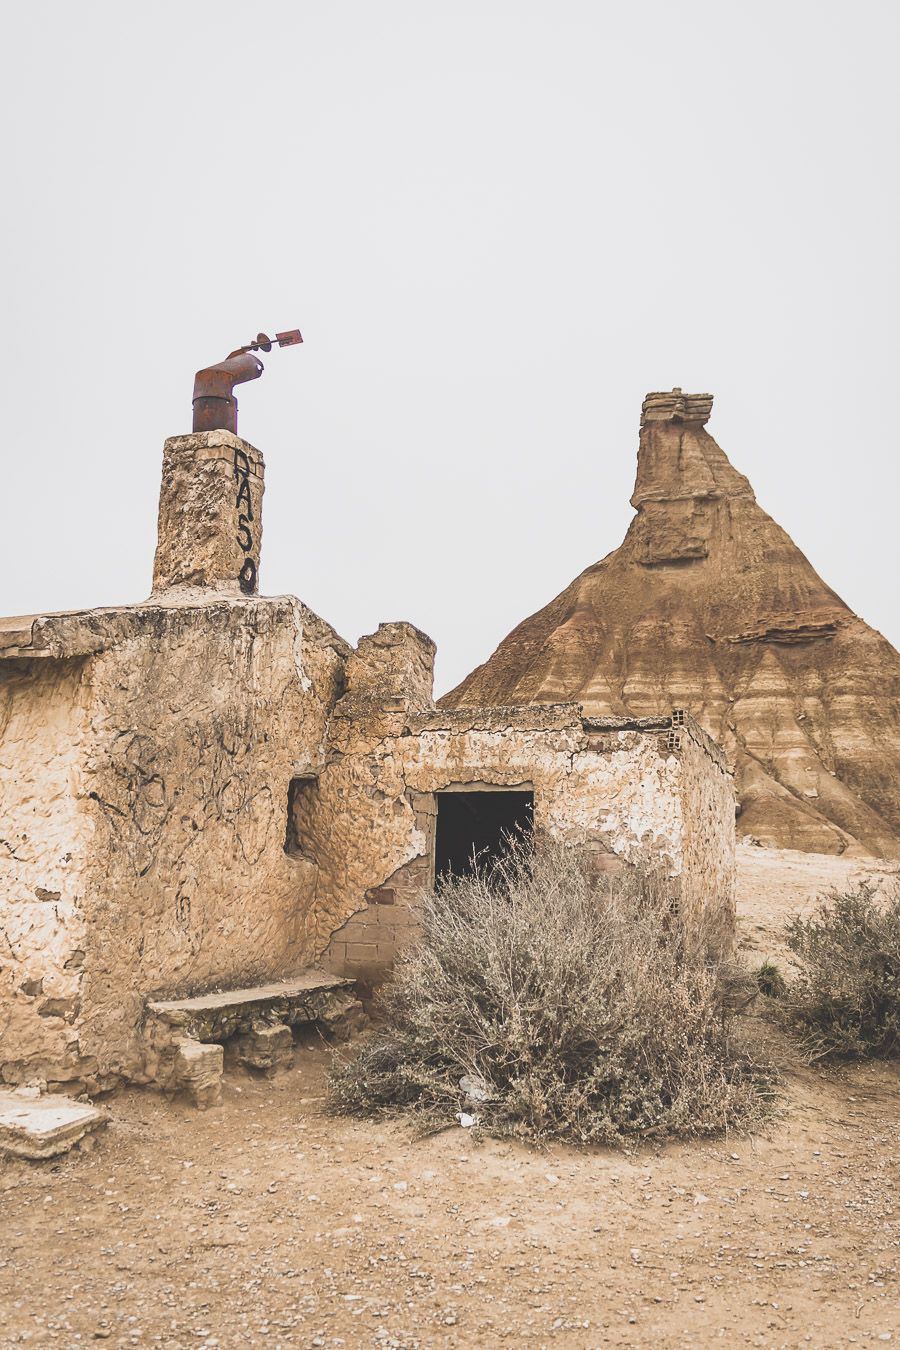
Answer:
[(708, 605)]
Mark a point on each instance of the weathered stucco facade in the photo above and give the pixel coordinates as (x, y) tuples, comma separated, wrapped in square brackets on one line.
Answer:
[(627, 791), (211, 790), (147, 852)]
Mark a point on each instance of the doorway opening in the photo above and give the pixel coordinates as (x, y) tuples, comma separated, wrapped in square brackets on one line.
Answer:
[(474, 828)]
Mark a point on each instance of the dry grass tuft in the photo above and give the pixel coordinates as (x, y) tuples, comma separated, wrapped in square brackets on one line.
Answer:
[(845, 1000), (570, 1007)]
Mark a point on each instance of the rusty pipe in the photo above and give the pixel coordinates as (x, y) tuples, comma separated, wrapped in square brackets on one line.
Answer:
[(215, 407)]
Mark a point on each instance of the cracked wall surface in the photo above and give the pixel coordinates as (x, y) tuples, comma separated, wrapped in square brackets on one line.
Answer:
[(146, 759), (616, 788), (708, 836), (44, 836), (157, 745)]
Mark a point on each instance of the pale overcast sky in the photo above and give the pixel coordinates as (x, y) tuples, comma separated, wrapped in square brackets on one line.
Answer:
[(498, 224)]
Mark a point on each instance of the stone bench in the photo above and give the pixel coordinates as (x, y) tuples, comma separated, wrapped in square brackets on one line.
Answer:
[(186, 1039)]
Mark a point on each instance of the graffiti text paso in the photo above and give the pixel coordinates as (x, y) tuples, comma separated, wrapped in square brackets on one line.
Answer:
[(244, 507)]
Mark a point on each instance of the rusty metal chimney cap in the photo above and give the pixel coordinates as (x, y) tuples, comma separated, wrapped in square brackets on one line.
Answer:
[(215, 407)]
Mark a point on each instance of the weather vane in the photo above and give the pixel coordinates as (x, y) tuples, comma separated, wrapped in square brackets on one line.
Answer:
[(215, 407)]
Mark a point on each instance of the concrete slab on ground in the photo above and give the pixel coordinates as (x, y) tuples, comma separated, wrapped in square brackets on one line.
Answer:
[(42, 1127)]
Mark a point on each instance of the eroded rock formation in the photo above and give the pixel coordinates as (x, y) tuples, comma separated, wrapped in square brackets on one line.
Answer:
[(708, 605)]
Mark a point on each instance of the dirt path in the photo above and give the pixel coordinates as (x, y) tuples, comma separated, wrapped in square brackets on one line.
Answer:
[(266, 1223)]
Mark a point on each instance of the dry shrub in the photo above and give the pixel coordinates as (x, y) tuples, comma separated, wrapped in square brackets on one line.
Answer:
[(845, 1000), (577, 1007), (769, 980)]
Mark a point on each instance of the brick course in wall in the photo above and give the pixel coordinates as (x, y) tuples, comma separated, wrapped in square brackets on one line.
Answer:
[(366, 946), (623, 791)]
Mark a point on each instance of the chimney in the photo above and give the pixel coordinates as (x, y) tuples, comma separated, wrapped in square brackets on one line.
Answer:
[(210, 514)]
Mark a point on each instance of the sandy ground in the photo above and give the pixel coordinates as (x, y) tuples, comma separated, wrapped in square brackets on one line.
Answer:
[(266, 1223), (773, 884)]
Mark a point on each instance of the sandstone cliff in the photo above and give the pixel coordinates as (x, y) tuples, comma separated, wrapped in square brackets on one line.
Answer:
[(709, 606)]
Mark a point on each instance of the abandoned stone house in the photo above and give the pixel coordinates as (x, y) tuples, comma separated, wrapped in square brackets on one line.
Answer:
[(212, 794)]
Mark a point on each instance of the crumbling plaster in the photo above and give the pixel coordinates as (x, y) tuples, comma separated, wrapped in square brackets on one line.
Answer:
[(706, 790), (617, 787), (617, 794), (193, 719), (44, 834)]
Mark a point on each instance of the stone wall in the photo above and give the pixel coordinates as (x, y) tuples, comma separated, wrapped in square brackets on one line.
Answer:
[(365, 947), (708, 836), (44, 837), (157, 745), (618, 789), (147, 757)]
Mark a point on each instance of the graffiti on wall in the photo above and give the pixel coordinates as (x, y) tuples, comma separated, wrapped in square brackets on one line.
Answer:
[(244, 507)]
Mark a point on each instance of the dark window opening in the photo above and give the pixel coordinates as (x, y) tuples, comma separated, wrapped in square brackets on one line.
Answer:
[(300, 799), (476, 827)]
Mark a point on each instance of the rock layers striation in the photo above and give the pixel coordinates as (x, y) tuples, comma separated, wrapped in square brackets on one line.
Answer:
[(709, 606)]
